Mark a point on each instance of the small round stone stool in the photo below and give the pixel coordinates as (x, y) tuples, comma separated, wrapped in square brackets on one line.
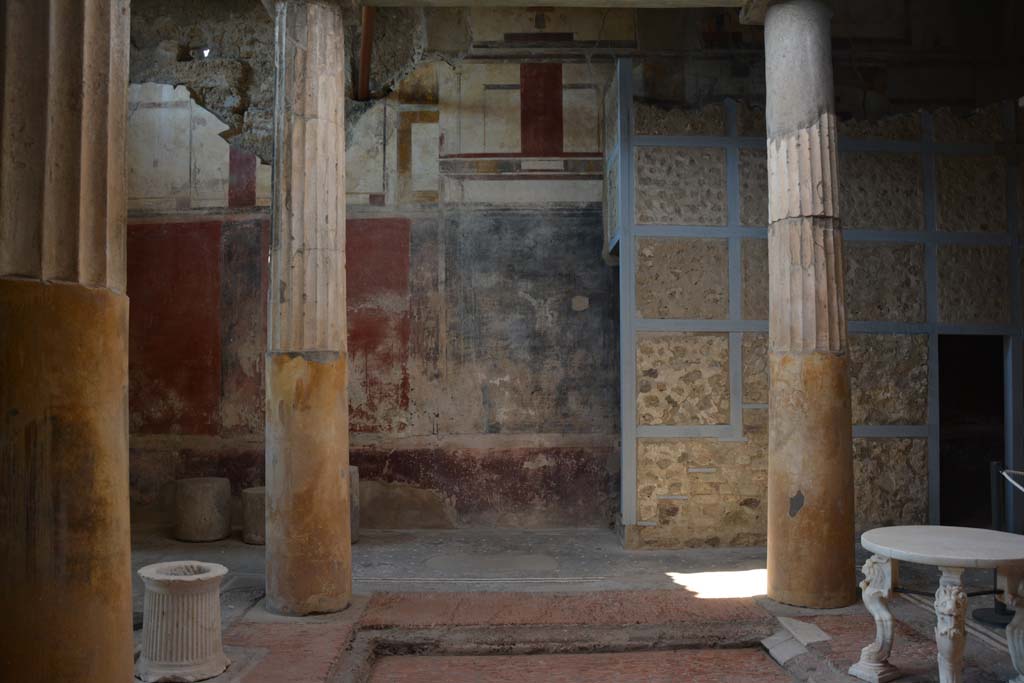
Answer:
[(254, 521), (353, 501), (202, 509), (181, 622)]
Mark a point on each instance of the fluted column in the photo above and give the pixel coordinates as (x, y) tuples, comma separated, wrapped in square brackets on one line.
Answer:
[(309, 568), (64, 549), (810, 470)]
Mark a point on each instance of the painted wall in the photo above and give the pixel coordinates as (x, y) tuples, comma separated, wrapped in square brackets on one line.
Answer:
[(482, 316), (472, 402), (890, 56), (487, 392)]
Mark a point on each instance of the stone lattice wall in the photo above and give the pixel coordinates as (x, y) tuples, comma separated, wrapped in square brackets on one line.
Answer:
[(694, 489), (705, 492)]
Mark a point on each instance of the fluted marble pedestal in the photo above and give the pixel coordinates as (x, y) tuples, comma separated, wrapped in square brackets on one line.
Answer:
[(181, 622)]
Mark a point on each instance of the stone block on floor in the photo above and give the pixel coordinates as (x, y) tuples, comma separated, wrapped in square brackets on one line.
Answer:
[(202, 509)]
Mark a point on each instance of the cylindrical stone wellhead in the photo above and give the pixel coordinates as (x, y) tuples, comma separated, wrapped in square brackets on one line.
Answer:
[(254, 515), (202, 509), (181, 638)]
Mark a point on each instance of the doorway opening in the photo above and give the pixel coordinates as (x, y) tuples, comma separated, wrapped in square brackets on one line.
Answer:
[(971, 430)]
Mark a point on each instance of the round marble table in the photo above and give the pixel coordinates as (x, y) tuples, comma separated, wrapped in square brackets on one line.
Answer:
[(951, 549)]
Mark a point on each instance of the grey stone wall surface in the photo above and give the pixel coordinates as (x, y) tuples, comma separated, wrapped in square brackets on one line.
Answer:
[(890, 482), (704, 492), (972, 193), (652, 119), (682, 278), (753, 187), (889, 379), (973, 284), (881, 191), (885, 281), (683, 378), (754, 259), (755, 367), (906, 126), (680, 186)]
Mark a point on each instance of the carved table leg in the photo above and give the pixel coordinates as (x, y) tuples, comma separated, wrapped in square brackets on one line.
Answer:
[(1009, 581), (880, 575), (950, 629)]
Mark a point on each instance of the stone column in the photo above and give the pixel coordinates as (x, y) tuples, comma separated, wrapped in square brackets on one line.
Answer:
[(810, 464), (309, 568), (64, 549)]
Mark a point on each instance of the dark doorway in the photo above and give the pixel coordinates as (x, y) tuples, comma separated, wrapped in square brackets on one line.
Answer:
[(970, 427)]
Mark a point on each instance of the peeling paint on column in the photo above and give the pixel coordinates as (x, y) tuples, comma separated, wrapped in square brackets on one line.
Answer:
[(796, 503)]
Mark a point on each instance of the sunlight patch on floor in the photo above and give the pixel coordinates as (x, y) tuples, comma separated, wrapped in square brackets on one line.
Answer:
[(737, 584)]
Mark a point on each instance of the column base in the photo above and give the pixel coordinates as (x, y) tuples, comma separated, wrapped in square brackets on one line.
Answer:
[(811, 559), (65, 550), (308, 538)]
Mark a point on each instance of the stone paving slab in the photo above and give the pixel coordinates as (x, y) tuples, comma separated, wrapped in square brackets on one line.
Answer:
[(288, 649), (912, 653), (803, 631), (294, 653), (422, 610), (694, 666)]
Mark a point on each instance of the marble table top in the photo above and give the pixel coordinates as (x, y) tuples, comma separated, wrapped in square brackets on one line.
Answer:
[(946, 546)]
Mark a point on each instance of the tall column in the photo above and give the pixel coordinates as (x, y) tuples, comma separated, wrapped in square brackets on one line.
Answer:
[(64, 548), (810, 464), (309, 556)]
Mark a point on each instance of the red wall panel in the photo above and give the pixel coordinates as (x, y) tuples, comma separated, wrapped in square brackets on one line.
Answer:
[(174, 338), (377, 256), (540, 87)]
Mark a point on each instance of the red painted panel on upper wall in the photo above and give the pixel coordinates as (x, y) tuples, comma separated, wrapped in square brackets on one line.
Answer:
[(174, 339), (377, 256), (241, 178), (540, 91)]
